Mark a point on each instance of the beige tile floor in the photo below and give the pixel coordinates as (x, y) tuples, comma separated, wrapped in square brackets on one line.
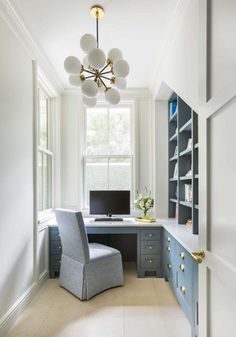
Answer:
[(142, 308)]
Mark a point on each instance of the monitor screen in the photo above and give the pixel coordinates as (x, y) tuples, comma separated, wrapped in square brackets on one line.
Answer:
[(109, 202)]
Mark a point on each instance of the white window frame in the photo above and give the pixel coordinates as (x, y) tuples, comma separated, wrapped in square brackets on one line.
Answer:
[(133, 156)]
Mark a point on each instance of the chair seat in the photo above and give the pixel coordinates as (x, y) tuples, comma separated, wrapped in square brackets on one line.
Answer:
[(98, 251)]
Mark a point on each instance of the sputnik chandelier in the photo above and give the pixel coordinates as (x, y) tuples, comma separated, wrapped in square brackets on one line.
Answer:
[(97, 73)]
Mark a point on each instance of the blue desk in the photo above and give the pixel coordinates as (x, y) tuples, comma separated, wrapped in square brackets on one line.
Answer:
[(148, 243)]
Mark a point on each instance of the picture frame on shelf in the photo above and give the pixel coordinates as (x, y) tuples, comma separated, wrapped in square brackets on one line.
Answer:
[(189, 144)]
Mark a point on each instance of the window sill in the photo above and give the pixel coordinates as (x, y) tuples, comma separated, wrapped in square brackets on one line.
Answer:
[(45, 216)]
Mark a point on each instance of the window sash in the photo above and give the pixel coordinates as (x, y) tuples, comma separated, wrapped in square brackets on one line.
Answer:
[(45, 201)]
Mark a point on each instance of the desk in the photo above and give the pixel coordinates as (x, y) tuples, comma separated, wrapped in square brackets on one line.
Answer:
[(148, 238)]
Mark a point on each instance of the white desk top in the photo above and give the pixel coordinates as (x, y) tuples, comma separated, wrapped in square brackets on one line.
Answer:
[(180, 232)]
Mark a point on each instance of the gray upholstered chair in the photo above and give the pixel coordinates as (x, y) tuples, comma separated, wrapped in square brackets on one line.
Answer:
[(86, 268)]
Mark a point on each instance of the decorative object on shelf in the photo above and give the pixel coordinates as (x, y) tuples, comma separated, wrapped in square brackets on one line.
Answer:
[(188, 192), (189, 144), (172, 108), (176, 151), (144, 202), (189, 173), (176, 171), (189, 223), (97, 73)]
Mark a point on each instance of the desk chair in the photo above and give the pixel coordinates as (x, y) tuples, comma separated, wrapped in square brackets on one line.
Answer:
[(86, 268)]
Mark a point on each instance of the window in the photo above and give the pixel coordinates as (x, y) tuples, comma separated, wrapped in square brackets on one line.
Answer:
[(108, 153), (44, 153)]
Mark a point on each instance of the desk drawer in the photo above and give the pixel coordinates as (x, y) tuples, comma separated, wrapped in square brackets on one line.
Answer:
[(150, 234), (150, 247), (55, 247), (54, 234), (150, 261), (55, 262)]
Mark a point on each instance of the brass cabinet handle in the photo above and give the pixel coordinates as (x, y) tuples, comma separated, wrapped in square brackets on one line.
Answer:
[(168, 266), (198, 256), (150, 261), (168, 239), (183, 290), (182, 255), (150, 247), (182, 267), (168, 249), (59, 247), (150, 235)]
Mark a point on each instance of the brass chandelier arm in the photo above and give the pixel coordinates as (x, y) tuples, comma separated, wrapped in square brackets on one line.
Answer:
[(104, 67), (91, 76), (88, 71), (106, 78), (103, 83), (106, 72)]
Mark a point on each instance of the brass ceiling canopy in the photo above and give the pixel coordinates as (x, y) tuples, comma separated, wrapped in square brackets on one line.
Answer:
[(97, 12)]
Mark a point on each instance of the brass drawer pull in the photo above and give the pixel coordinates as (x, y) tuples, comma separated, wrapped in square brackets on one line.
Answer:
[(150, 235), (150, 247), (168, 266), (59, 247), (150, 261), (168, 249), (182, 255), (183, 290), (182, 267), (168, 239)]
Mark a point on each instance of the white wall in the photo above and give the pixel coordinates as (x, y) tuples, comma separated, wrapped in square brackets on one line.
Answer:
[(16, 178), (72, 138)]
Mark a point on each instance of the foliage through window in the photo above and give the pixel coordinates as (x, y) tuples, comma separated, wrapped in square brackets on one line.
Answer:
[(108, 149), (44, 154)]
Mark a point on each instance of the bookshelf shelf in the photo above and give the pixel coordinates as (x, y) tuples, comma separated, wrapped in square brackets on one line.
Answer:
[(186, 178), (174, 137), (187, 204), (174, 158), (183, 163), (186, 152), (187, 127)]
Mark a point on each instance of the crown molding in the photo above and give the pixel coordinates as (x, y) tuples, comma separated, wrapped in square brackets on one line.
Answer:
[(16, 24), (126, 94), (175, 23)]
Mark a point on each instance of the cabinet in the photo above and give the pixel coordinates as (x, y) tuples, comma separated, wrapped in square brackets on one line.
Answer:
[(182, 273), (149, 252), (55, 251)]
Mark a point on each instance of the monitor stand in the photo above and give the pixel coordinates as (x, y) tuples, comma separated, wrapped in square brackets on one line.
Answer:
[(109, 217)]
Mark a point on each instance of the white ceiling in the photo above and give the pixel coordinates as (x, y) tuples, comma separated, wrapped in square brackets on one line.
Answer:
[(137, 27)]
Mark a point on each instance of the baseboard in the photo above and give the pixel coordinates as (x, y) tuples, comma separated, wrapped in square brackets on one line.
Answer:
[(7, 321)]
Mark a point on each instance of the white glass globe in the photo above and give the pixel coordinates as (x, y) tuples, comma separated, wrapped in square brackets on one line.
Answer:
[(75, 80), (89, 88), (120, 83), (121, 68), (89, 102), (96, 58), (85, 62), (88, 42), (112, 96), (115, 55), (72, 65)]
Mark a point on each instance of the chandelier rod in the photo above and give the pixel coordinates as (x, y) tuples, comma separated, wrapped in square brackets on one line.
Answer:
[(103, 83), (97, 15)]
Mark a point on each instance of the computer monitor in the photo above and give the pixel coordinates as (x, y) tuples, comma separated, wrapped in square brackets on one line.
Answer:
[(109, 203)]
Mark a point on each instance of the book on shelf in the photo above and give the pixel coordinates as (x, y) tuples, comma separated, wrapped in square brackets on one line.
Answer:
[(176, 212), (175, 171), (172, 108), (189, 144), (188, 192)]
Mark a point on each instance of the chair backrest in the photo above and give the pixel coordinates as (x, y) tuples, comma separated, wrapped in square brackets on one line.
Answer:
[(73, 234)]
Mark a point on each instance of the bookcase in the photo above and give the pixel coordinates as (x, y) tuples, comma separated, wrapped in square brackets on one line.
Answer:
[(183, 163)]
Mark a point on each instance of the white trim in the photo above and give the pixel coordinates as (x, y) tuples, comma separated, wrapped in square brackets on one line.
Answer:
[(22, 33), (9, 318)]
